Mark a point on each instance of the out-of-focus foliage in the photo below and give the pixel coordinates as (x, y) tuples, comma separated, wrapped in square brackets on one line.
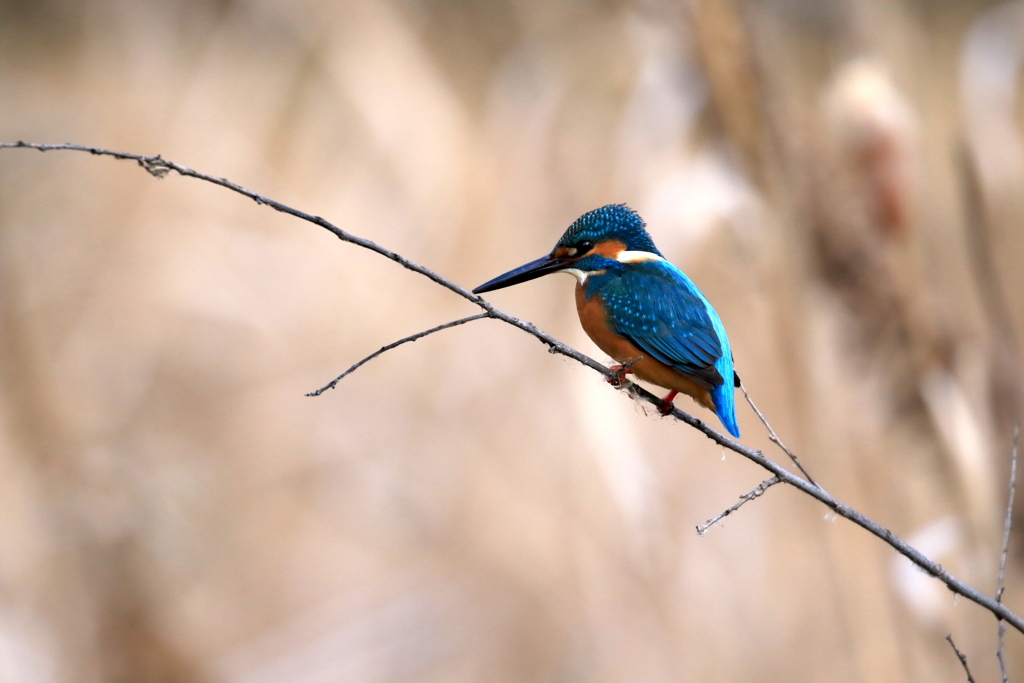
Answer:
[(842, 179)]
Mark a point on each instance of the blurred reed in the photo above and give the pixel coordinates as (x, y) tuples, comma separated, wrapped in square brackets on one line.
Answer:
[(842, 179)]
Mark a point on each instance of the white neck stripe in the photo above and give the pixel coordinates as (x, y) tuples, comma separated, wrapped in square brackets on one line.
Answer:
[(637, 257)]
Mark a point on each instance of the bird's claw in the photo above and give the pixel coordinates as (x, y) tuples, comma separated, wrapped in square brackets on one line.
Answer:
[(666, 406), (618, 376)]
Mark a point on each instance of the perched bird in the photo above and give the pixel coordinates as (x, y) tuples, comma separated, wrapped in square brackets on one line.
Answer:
[(640, 309)]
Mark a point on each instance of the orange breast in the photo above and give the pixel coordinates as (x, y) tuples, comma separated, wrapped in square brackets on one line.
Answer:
[(595, 324)]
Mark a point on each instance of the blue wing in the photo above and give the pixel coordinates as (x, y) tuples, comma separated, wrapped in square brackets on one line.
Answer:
[(658, 308)]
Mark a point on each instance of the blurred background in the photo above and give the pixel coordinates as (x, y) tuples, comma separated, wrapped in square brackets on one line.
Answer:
[(841, 178)]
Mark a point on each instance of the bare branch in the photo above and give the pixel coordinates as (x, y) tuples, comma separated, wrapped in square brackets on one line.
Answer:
[(161, 167), (746, 497), (775, 437), (1001, 581), (1008, 522), (961, 656), (411, 338)]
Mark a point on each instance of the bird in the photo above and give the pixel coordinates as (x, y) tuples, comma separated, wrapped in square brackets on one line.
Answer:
[(641, 310)]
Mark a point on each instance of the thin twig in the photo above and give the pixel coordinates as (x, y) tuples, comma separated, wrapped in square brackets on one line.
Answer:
[(775, 437), (961, 656), (746, 497), (411, 338), (161, 167), (1001, 581)]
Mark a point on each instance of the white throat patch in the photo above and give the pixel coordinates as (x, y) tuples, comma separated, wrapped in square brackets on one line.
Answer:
[(580, 275)]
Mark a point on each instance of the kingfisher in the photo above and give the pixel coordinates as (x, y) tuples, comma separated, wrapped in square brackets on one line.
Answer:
[(641, 310)]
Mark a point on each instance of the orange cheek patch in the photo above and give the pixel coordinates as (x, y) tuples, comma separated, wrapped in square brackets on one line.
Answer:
[(610, 249)]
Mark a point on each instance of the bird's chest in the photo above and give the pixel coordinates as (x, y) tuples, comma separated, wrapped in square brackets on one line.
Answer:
[(594, 320)]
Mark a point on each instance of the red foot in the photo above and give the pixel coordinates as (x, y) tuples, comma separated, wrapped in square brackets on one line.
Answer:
[(666, 406), (618, 378)]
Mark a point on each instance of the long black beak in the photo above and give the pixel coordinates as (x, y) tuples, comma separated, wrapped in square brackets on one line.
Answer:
[(530, 271)]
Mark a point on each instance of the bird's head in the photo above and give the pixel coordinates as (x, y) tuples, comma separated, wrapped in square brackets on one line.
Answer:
[(604, 239)]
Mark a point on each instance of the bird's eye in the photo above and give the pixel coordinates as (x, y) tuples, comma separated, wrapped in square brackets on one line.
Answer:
[(584, 246)]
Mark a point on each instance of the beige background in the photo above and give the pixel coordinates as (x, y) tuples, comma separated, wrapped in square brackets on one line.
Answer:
[(842, 179)]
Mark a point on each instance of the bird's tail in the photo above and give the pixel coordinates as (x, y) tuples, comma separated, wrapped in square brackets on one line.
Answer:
[(724, 397)]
